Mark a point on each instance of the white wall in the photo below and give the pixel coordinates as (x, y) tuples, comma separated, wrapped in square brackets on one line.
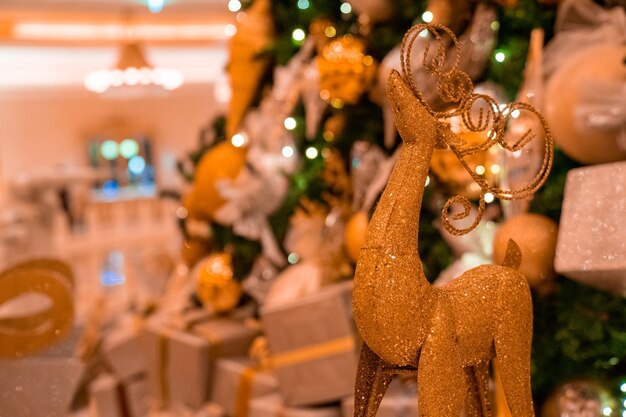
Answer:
[(49, 127)]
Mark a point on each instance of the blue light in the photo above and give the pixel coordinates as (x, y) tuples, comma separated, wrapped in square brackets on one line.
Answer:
[(112, 272), (303, 4), (136, 165), (110, 188), (156, 6)]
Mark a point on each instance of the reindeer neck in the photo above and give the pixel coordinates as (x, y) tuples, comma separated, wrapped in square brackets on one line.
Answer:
[(395, 224)]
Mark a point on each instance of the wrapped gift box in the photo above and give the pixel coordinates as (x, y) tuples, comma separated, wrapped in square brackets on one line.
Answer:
[(38, 386), (180, 363), (399, 401), (123, 352), (591, 246), (237, 382), (313, 346), (110, 397), (273, 406)]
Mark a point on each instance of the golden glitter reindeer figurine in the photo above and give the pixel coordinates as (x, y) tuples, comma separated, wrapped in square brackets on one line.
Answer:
[(447, 335)]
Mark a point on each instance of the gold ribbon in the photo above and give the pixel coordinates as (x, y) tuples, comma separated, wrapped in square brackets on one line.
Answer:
[(27, 335), (163, 364), (244, 392), (310, 353)]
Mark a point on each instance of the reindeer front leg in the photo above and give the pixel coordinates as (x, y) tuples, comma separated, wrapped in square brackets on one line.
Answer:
[(440, 376), (371, 383)]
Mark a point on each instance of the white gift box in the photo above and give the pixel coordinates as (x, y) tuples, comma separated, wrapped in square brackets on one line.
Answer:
[(591, 245)]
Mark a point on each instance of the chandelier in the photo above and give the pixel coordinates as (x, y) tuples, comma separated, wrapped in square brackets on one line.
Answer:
[(133, 76)]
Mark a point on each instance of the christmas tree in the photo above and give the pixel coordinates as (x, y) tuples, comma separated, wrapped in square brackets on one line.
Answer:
[(290, 175)]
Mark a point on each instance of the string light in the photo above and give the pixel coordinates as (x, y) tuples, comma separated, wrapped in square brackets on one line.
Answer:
[(287, 151), (480, 170), (182, 212), (495, 25), (303, 4), (311, 152), (290, 123), (238, 140), (156, 6), (427, 16), (489, 198), (234, 5), (500, 57), (607, 411), (345, 8), (293, 258), (623, 387), (495, 168), (129, 148), (230, 30), (298, 35), (136, 165), (109, 150), (330, 32)]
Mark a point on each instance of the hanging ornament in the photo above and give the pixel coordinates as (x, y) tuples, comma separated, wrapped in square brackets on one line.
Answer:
[(216, 287), (322, 31), (223, 161), (247, 65), (447, 335), (585, 105), (314, 106), (536, 236), (579, 398), (519, 168), (346, 72), (449, 170)]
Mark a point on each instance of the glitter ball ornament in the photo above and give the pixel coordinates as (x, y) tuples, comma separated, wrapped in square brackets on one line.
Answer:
[(536, 236), (345, 70), (584, 104), (223, 161), (446, 335), (215, 284)]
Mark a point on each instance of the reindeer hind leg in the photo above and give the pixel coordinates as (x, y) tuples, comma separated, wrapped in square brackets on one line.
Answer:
[(371, 383), (477, 402)]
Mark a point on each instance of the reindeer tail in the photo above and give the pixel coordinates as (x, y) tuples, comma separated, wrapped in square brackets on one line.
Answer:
[(513, 257)]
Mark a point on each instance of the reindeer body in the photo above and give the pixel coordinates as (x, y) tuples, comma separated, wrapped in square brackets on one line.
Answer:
[(446, 335)]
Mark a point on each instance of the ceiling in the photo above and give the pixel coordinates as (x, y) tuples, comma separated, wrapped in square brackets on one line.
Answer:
[(55, 43)]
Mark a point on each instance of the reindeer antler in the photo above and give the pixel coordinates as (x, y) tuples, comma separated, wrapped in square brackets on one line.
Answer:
[(455, 87)]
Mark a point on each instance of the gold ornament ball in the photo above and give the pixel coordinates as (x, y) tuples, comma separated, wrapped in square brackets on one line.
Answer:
[(223, 161), (355, 234), (568, 91), (536, 236), (446, 166), (216, 286), (346, 72)]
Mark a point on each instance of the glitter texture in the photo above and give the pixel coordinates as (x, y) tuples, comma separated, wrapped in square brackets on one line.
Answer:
[(446, 335), (591, 248)]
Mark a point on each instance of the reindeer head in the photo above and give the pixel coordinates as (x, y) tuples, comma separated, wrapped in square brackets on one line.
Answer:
[(411, 115)]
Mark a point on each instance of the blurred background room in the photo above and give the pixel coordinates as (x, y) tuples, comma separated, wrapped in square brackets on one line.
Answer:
[(185, 186)]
